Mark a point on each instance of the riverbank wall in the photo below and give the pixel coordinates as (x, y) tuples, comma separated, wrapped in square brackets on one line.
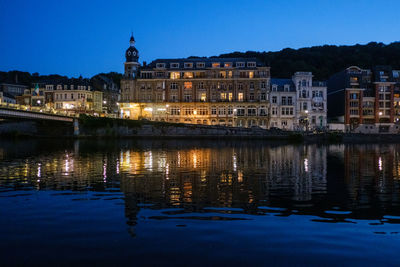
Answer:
[(94, 127)]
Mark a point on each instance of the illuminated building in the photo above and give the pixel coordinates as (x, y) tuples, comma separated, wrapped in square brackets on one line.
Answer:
[(213, 91), (74, 95), (366, 100)]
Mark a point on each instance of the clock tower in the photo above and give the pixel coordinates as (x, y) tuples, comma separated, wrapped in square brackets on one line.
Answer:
[(132, 58)]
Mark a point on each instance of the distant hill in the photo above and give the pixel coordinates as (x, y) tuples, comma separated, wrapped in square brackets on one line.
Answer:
[(326, 60), (27, 78), (323, 61)]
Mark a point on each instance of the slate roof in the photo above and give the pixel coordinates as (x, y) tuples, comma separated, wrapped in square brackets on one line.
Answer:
[(207, 61), (281, 84)]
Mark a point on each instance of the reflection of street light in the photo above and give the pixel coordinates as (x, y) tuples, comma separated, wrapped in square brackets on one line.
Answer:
[(306, 119), (38, 102), (380, 113), (104, 102)]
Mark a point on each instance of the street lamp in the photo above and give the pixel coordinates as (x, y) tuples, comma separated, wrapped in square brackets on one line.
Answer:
[(380, 113)]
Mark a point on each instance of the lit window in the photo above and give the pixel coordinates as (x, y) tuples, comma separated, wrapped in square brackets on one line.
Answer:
[(216, 65), (223, 96), (228, 65), (188, 75), (188, 85), (175, 75), (251, 74), (240, 97), (203, 97), (230, 96)]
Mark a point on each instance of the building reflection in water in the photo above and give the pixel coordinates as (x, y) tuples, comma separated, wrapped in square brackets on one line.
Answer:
[(300, 179)]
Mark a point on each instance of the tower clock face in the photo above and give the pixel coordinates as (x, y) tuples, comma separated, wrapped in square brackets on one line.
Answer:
[(129, 53), (134, 53)]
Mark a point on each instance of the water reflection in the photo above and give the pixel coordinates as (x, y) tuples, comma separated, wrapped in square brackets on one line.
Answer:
[(215, 180)]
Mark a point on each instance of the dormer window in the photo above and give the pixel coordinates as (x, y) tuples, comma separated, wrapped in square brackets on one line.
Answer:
[(228, 65), (200, 65), (286, 88), (239, 64), (251, 64), (160, 65), (188, 65), (216, 65), (174, 65), (274, 87)]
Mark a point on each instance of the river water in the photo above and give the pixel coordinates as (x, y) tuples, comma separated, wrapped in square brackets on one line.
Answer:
[(154, 202)]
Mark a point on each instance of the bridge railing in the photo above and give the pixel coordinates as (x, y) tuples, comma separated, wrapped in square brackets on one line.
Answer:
[(44, 110)]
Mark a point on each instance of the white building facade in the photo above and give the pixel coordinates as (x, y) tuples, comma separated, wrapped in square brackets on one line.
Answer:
[(298, 103)]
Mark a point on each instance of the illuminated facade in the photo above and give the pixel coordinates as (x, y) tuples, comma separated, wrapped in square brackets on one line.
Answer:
[(366, 100), (212, 91), (72, 96)]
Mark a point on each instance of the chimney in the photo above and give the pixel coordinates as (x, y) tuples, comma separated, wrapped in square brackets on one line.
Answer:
[(16, 77)]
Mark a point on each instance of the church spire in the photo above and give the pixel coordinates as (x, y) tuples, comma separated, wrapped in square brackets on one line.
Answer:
[(132, 40)]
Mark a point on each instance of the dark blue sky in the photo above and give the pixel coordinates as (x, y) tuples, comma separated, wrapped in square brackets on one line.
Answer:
[(88, 37)]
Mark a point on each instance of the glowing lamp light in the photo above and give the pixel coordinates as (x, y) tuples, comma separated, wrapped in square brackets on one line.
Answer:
[(306, 111), (194, 112), (380, 113), (148, 109)]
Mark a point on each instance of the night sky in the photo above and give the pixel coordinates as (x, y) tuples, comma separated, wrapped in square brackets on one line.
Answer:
[(88, 37)]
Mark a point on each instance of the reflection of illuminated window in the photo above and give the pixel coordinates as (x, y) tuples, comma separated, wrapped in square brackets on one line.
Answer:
[(175, 75), (240, 176), (188, 85)]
